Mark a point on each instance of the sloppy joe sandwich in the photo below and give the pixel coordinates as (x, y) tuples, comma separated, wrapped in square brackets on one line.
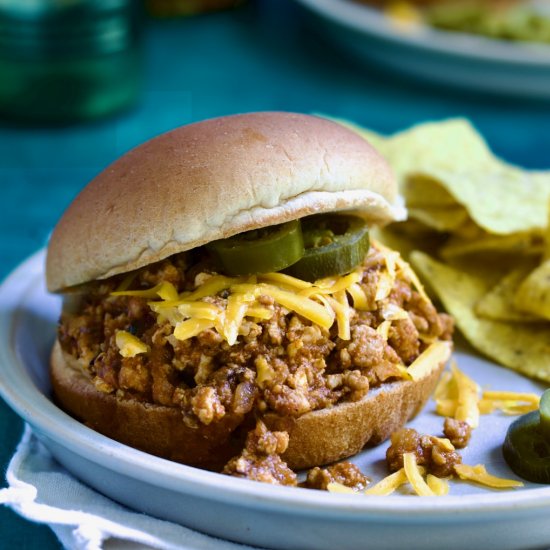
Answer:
[(219, 280)]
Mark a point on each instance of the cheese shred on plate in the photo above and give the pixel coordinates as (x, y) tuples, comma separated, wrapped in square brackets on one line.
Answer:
[(414, 476), (458, 396), (336, 487), (389, 484), (439, 485), (479, 474), (508, 402), (431, 485)]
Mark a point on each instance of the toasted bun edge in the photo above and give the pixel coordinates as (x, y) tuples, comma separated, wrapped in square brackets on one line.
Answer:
[(316, 438)]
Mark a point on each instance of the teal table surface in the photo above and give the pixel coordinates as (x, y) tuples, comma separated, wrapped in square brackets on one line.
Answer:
[(262, 56)]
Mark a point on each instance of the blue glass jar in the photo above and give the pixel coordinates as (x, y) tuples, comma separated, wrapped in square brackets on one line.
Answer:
[(68, 60)]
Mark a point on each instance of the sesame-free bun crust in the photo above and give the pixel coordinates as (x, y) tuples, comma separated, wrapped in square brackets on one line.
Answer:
[(211, 180), (316, 438), (155, 429)]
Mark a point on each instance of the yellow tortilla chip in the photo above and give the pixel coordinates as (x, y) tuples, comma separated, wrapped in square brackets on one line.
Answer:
[(444, 145), (524, 244), (533, 294), (520, 346), (469, 231), (500, 199), (499, 302), (448, 163), (441, 219), (403, 237), (425, 192)]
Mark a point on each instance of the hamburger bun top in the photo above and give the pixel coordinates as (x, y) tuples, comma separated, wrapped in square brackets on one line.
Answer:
[(211, 180)]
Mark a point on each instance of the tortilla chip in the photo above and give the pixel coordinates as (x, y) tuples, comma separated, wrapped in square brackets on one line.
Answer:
[(448, 163), (533, 294), (516, 244), (399, 236), (440, 219), (500, 199), (520, 346), (426, 193), (499, 302), (446, 145), (414, 229), (469, 231)]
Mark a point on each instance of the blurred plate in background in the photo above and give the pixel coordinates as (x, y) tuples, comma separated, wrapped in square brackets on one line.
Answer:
[(466, 61)]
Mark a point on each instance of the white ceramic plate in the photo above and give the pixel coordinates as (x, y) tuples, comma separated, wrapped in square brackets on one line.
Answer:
[(462, 60), (255, 513)]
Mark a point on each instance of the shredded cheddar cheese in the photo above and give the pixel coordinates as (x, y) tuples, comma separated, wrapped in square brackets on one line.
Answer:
[(467, 408), (479, 474), (508, 402), (164, 290), (439, 485), (392, 312), (444, 443), (432, 356), (259, 312), (191, 327), (358, 296), (285, 281), (384, 286), (212, 286), (384, 329), (446, 407), (342, 310), (407, 271), (335, 487), (414, 476), (264, 371), (325, 302), (458, 396), (389, 484), (432, 485), (129, 345), (167, 291), (445, 388), (127, 281), (404, 268), (199, 310)]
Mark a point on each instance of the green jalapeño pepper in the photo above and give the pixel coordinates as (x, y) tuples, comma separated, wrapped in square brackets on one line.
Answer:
[(526, 448), (260, 250), (544, 409), (335, 244)]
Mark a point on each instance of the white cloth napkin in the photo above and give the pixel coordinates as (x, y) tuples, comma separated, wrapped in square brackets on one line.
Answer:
[(41, 490)]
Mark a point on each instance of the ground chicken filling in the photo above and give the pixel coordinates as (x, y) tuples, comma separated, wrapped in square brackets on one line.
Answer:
[(284, 364), (438, 456)]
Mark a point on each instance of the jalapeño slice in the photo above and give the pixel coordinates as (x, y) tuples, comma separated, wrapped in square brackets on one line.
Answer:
[(335, 244), (526, 448), (544, 409), (260, 250)]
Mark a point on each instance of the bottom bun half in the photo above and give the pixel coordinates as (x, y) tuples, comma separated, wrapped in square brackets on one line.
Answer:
[(316, 438)]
